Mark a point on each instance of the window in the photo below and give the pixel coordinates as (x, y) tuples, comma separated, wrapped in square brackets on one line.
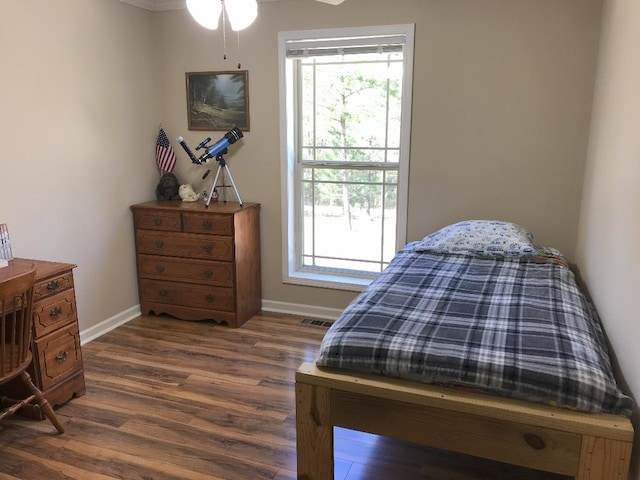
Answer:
[(345, 123)]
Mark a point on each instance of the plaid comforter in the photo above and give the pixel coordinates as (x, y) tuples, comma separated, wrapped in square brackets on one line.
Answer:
[(520, 329)]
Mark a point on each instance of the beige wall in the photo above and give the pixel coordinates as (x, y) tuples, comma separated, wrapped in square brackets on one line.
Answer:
[(79, 119), (501, 116), (503, 92), (502, 102), (609, 234)]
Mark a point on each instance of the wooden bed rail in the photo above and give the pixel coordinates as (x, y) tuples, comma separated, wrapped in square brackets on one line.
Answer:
[(585, 446)]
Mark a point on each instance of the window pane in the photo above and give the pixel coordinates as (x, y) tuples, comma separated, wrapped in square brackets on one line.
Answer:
[(307, 215), (308, 154), (390, 219), (350, 218), (351, 104), (360, 155), (344, 175), (307, 174), (393, 156)]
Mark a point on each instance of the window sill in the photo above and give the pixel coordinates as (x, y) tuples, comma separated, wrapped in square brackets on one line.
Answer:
[(319, 280)]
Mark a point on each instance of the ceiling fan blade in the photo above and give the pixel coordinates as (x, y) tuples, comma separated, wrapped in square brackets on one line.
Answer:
[(331, 2)]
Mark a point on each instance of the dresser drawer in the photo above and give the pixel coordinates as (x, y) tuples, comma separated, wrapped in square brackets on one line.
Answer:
[(54, 312), (52, 285), (59, 355), (185, 270), (212, 298), (157, 220), (207, 223), (187, 245)]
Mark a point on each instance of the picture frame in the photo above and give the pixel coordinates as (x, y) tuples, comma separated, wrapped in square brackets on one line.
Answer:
[(218, 100)]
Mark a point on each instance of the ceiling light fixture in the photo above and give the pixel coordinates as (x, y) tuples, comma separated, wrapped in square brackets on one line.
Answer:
[(240, 13)]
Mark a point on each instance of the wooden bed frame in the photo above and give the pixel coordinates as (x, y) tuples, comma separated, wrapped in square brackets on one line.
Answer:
[(585, 446)]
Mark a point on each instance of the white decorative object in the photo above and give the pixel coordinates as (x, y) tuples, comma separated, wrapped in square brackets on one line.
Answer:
[(187, 194)]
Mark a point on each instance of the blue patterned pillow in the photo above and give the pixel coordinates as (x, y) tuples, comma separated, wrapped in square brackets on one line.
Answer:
[(480, 237)]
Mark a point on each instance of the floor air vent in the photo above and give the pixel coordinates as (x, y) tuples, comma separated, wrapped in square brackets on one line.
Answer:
[(316, 323)]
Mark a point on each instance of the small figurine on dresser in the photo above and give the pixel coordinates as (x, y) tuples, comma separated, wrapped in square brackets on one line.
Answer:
[(168, 187), (187, 193)]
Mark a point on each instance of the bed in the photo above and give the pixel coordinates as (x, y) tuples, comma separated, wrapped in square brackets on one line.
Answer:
[(473, 340)]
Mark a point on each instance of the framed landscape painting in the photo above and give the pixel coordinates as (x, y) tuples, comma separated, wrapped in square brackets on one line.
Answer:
[(218, 100)]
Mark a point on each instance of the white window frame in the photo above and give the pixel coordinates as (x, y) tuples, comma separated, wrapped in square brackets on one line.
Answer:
[(291, 271)]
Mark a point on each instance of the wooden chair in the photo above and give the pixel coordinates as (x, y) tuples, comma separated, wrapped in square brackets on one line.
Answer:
[(16, 300)]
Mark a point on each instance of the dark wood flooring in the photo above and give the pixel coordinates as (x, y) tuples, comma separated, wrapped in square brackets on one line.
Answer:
[(170, 399)]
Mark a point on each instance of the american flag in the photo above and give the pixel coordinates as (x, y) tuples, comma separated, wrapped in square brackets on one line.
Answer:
[(165, 156)]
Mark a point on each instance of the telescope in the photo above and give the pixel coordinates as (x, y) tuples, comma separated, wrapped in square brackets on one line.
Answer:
[(217, 150)]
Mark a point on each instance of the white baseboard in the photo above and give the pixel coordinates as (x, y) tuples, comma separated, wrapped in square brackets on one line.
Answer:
[(109, 324), (298, 309), (121, 318)]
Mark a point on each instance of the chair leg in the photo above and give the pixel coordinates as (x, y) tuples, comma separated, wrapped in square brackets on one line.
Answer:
[(42, 402)]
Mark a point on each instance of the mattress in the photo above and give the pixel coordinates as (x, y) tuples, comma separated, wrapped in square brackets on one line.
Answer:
[(515, 327)]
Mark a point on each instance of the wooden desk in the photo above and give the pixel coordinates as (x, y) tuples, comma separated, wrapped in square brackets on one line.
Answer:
[(57, 358)]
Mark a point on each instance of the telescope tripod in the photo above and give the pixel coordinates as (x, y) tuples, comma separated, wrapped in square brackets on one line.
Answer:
[(222, 167)]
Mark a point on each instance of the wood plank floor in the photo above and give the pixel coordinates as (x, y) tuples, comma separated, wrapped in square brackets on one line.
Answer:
[(169, 399)]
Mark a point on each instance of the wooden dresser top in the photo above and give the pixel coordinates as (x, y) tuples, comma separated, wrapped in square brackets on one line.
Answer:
[(179, 205)]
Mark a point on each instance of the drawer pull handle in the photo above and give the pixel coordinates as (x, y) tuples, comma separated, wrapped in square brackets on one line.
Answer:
[(208, 248), (163, 293), (56, 312), (159, 268), (62, 356), (208, 273), (210, 298), (157, 221), (207, 224), (53, 286), (534, 441), (159, 243)]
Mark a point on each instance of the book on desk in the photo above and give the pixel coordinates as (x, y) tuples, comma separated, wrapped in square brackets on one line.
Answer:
[(5, 246)]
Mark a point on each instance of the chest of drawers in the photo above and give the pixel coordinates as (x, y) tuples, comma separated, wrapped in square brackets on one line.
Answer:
[(198, 263), (57, 367)]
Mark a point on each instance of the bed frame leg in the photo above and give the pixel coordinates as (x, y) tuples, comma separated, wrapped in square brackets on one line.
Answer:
[(314, 439), (603, 459)]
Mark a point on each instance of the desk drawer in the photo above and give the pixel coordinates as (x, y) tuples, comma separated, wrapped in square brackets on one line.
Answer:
[(59, 355), (51, 286), (54, 312)]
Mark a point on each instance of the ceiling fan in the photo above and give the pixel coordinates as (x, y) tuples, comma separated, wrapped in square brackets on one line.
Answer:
[(240, 13)]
